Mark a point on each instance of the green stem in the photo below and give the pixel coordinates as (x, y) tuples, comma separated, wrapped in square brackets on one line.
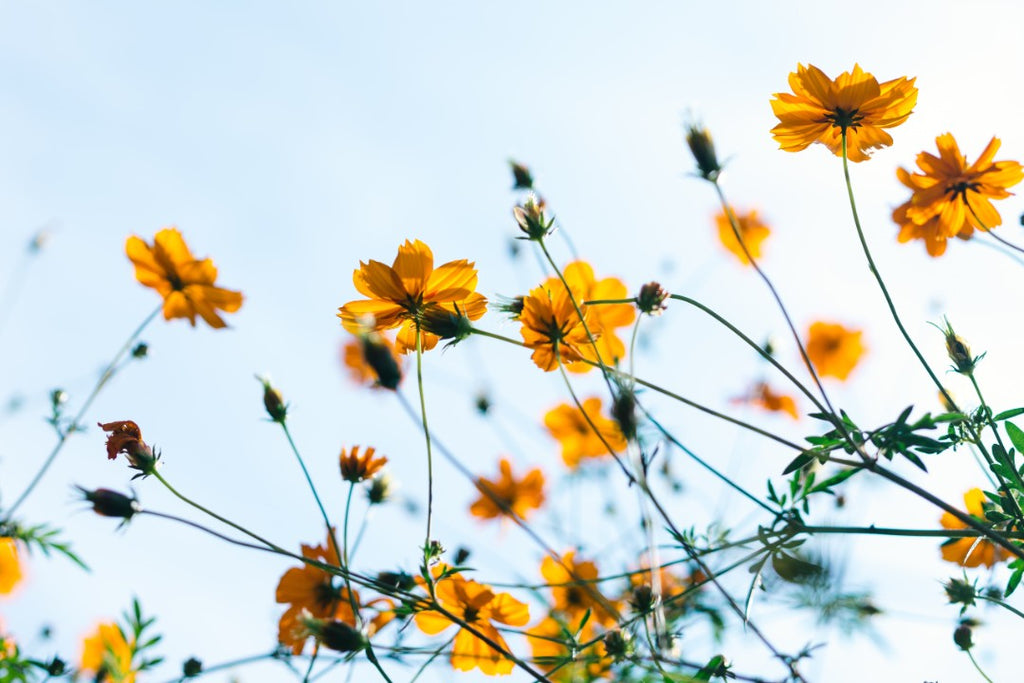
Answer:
[(976, 666), (430, 454), (373, 660), (996, 601), (312, 488), (888, 531), (344, 555), (105, 376)]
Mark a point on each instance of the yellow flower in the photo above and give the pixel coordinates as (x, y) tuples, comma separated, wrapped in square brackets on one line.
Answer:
[(602, 320), (951, 197), (356, 468), (478, 606), (751, 229), (574, 589), (569, 426), (547, 641), (518, 495), (10, 565), (108, 655), (397, 295), (312, 589), (763, 396), (820, 109), (185, 282), (963, 551), (833, 349), (552, 328)]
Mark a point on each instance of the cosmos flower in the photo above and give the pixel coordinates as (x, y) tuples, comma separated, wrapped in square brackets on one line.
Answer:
[(518, 495), (751, 229), (969, 552), (569, 426), (833, 349)]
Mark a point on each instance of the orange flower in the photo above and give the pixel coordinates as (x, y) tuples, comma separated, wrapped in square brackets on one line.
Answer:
[(602, 320), (547, 642), (833, 349), (951, 197), (185, 282), (312, 589), (820, 109), (970, 552), (10, 565), (399, 294), (764, 396), (508, 493), (125, 437), (552, 328), (751, 229), (574, 589), (568, 424), (108, 654), (372, 360), (356, 468), (478, 606)]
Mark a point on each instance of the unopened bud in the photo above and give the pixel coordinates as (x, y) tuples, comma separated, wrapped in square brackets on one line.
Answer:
[(380, 489), (530, 217), (959, 352), (962, 635), (191, 668), (337, 635), (56, 667), (111, 503), (624, 412), (380, 356), (140, 351), (273, 401), (446, 324), (651, 299), (521, 176), (642, 599), (703, 149), (617, 644), (512, 307)]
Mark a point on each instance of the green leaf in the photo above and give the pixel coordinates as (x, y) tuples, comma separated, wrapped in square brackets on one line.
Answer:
[(798, 462), (1014, 581), (1007, 414), (835, 480), (1016, 435)]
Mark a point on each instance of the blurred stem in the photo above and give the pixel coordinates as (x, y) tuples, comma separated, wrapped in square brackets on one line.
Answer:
[(344, 556), (434, 655), (975, 663), (105, 377), (312, 487), (373, 660), (996, 601)]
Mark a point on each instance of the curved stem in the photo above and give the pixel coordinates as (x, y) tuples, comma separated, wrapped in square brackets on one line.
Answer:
[(344, 554), (312, 487), (105, 376)]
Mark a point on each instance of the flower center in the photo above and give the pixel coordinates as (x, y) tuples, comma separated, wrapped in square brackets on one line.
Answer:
[(843, 119), (470, 614), (960, 187)]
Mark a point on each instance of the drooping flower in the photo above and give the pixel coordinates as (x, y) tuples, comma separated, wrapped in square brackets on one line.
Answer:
[(603, 319), (314, 590), (763, 396), (508, 493), (820, 109), (477, 605), (952, 198), (569, 426), (751, 229), (10, 565), (970, 552), (356, 468), (552, 328), (126, 437), (397, 295), (185, 282), (108, 654), (551, 648), (574, 589), (833, 349)]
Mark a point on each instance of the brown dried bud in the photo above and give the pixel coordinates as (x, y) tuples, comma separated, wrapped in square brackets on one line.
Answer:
[(651, 299)]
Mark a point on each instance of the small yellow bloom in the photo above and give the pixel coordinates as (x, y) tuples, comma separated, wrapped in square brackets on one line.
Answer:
[(552, 328), (10, 565), (507, 493), (478, 606), (960, 550), (569, 426), (185, 282), (952, 198), (833, 349), (550, 651), (574, 589), (397, 295), (751, 229), (107, 654), (820, 109)]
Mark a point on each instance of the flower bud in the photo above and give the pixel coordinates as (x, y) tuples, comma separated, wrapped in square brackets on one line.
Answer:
[(512, 307), (380, 489), (617, 644), (530, 217), (273, 401), (111, 503), (337, 635), (191, 668), (521, 176), (962, 635), (959, 352), (642, 599), (624, 412), (651, 299), (446, 324), (140, 350), (380, 356), (703, 149)]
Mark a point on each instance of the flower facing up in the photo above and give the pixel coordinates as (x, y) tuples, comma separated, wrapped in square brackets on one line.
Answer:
[(108, 654), (499, 497), (551, 648), (397, 295), (951, 197), (763, 396), (751, 229), (552, 328), (478, 606), (10, 565), (969, 552), (126, 437), (311, 589), (569, 426), (603, 319), (356, 468), (185, 282), (820, 109), (372, 360), (833, 349), (574, 589)]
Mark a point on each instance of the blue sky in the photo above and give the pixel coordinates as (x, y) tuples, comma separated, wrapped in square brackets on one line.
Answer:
[(289, 142)]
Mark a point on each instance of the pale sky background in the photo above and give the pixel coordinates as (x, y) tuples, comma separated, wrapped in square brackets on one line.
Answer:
[(290, 141)]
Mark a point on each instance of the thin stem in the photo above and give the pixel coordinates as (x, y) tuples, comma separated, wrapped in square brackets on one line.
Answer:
[(976, 666), (995, 601), (430, 456), (208, 530), (373, 660), (344, 553), (437, 653), (105, 376), (312, 486), (888, 531)]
